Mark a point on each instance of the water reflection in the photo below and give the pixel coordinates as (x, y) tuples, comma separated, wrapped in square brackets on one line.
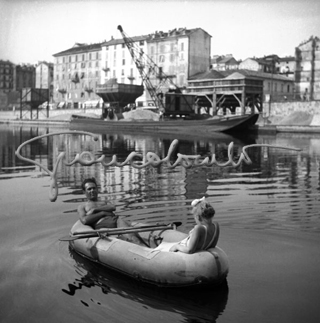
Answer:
[(193, 305), (279, 190)]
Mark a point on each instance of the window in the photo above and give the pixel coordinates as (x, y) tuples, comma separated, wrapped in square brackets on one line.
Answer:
[(123, 45), (122, 72), (97, 55), (83, 57), (152, 50), (182, 46), (123, 62), (90, 56), (141, 43), (161, 59), (114, 74)]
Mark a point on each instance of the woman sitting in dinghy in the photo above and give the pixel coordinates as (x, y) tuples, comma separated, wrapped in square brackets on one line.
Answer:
[(203, 236)]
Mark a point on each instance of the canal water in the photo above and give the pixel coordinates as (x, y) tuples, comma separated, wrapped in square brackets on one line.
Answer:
[(267, 206)]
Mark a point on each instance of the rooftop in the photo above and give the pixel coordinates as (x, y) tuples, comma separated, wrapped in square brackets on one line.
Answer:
[(213, 75)]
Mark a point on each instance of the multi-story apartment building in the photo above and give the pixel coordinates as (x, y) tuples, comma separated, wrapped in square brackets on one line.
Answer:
[(7, 76), (117, 62), (307, 74), (179, 53), (77, 72), (25, 76), (44, 77)]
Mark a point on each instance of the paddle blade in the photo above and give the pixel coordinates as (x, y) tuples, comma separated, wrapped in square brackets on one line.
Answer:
[(72, 238)]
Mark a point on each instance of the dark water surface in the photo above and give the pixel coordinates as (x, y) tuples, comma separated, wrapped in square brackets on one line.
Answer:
[(268, 212)]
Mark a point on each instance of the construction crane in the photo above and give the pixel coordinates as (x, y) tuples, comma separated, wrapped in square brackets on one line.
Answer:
[(149, 69)]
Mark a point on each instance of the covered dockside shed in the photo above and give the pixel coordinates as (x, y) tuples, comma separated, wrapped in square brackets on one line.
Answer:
[(219, 91)]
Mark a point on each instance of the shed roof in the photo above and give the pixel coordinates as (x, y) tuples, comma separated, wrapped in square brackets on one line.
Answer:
[(238, 74)]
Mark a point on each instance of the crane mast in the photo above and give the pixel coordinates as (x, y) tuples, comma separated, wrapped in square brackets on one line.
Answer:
[(147, 69)]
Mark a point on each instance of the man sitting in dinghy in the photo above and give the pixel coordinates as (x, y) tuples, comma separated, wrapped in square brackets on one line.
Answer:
[(99, 214), (203, 236), (95, 213)]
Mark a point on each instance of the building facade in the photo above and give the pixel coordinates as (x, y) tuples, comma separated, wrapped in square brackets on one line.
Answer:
[(179, 53), (7, 76), (307, 74), (118, 64), (265, 65), (44, 77), (25, 76), (77, 72), (286, 66), (224, 63)]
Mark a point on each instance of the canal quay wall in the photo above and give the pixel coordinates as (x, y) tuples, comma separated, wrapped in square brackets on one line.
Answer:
[(299, 116)]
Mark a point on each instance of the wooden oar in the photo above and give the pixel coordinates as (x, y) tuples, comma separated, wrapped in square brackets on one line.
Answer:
[(71, 238), (154, 226), (116, 231)]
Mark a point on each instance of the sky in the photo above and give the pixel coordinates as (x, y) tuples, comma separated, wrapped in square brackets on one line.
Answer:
[(34, 30)]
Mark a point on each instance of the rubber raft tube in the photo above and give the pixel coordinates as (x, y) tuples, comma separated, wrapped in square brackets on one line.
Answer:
[(162, 268)]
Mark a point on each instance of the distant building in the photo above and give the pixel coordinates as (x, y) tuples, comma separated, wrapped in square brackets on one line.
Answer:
[(224, 63), (7, 76), (117, 63), (307, 74), (180, 53), (25, 76), (266, 64), (286, 66), (44, 77), (76, 75), (12, 79)]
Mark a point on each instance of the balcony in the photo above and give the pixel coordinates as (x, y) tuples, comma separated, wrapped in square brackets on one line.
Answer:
[(62, 91), (75, 78), (88, 89)]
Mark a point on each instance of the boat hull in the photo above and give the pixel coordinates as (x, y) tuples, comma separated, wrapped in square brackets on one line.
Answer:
[(200, 127), (151, 265)]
